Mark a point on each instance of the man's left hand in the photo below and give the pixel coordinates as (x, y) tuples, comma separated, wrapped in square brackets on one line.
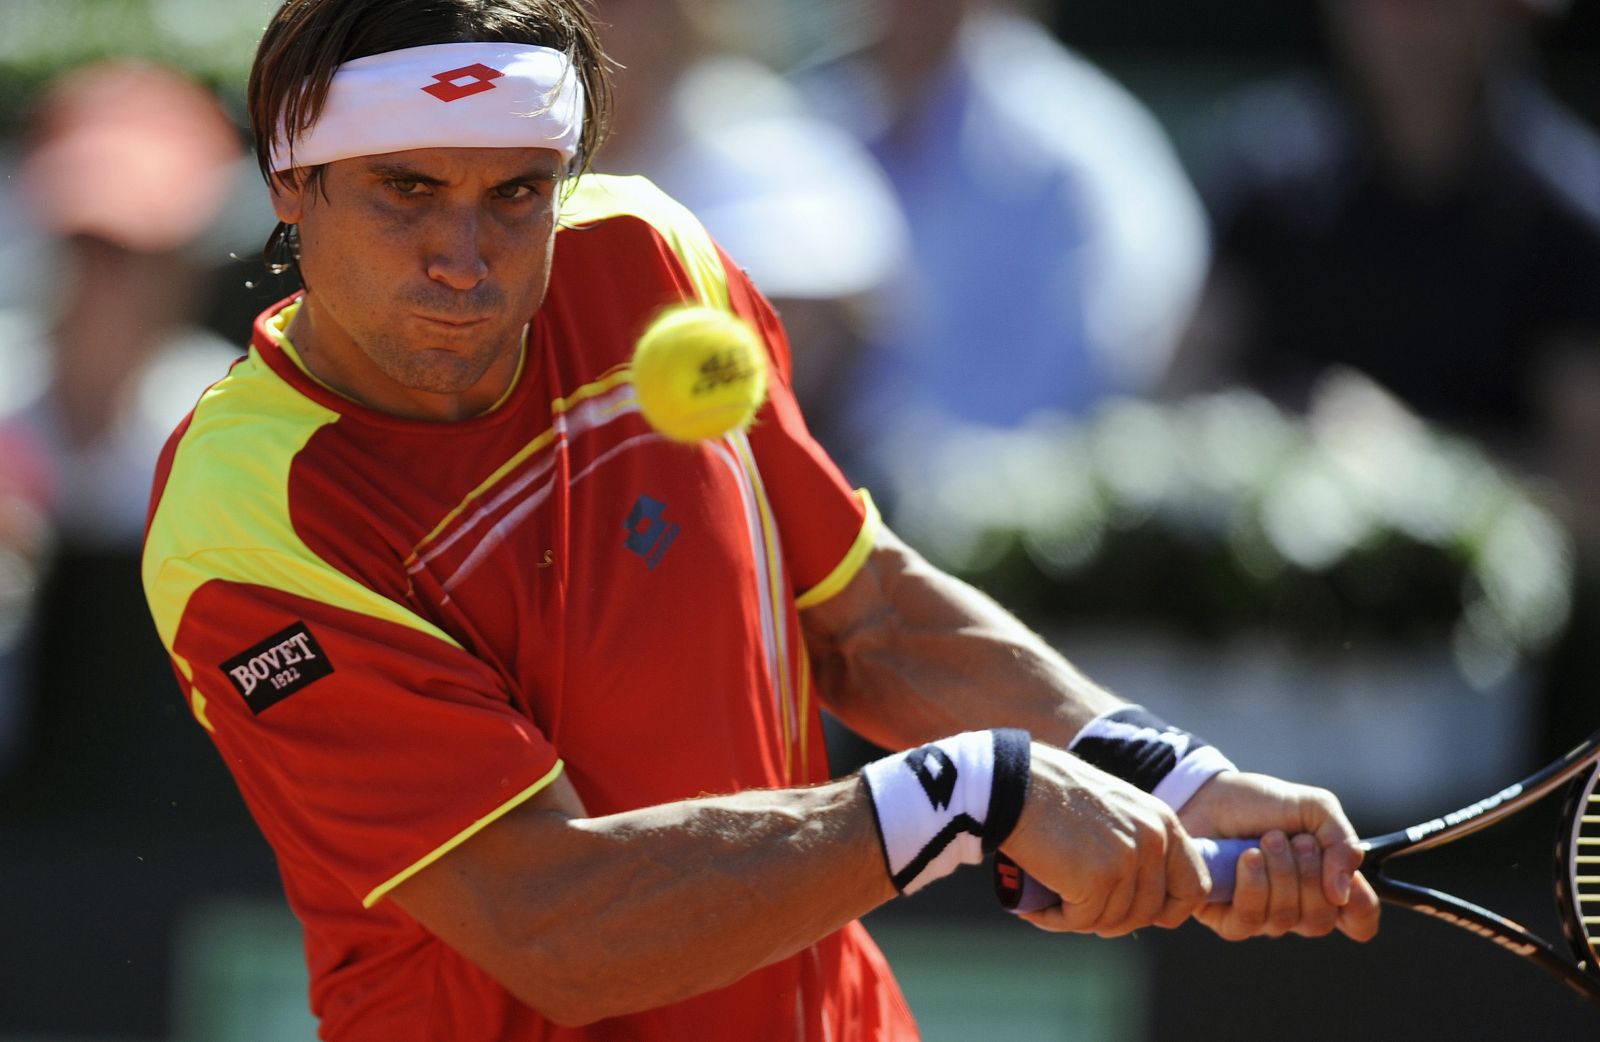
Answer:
[(1304, 879)]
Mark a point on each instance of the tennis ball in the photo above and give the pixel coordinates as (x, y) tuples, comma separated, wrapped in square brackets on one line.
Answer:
[(699, 373)]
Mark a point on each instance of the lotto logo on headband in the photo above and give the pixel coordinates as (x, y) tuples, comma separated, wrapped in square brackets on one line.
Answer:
[(448, 90)]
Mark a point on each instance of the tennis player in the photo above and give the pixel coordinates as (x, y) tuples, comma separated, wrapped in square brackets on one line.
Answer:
[(525, 697)]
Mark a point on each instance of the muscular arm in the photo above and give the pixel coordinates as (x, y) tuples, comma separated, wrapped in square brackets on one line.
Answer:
[(906, 654), (584, 918)]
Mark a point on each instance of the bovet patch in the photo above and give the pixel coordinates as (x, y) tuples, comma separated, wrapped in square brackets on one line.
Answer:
[(276, 668)]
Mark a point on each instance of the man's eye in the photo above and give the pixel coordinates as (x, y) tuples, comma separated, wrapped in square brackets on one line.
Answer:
[(405, 186), (521, 190)]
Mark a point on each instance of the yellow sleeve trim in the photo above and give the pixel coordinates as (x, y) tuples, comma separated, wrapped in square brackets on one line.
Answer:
[(853, 561), (383, 889), (197, 705), (597, 197)]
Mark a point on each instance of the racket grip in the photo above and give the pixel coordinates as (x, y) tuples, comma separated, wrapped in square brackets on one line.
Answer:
[(1019, 892)]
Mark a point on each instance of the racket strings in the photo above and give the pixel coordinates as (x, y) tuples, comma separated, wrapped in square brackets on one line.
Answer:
[(1584, 861)]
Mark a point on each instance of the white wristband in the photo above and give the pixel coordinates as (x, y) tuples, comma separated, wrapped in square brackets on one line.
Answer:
[(1145, 751), (948, 803), (1192, 771)]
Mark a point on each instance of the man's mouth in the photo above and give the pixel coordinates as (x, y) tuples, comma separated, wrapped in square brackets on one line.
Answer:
[(452, 321)]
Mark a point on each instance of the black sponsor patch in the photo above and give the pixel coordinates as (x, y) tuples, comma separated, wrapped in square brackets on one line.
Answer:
[(277, 667)]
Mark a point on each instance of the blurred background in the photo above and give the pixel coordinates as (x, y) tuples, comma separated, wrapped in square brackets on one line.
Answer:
[(1250, 351)]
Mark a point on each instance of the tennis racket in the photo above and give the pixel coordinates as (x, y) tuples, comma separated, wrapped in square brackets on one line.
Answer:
[(1577, 870)]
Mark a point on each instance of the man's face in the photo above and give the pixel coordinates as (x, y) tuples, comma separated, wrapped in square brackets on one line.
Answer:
[(421, 268)]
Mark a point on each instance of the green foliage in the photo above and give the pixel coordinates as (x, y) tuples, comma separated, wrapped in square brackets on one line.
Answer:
[(1222, 515)]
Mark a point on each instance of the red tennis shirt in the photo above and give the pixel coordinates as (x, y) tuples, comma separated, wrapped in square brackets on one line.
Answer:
[(396, 631)]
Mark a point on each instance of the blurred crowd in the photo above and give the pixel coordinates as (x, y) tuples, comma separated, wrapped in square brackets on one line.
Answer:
[(114, 821), (967, 226)]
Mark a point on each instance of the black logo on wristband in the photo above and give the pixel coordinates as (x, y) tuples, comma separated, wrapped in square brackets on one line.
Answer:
[(935, 772)]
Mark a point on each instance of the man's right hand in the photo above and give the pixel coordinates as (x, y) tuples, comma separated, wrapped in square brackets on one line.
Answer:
[(1117, 856)]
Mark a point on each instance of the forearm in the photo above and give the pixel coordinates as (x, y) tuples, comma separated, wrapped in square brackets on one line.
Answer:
[(636, 910), (908, 653)]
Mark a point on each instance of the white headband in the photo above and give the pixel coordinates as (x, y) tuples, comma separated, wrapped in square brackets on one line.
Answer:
[(468, 95)]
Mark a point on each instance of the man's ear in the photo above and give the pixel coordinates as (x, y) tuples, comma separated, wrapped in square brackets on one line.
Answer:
[(288, 201)]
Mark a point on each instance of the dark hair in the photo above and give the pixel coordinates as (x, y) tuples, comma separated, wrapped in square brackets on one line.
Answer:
[(307, 41)]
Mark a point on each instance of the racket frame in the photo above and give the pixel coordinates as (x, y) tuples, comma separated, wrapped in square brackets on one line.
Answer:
[(1578, 868), (1582, 976)]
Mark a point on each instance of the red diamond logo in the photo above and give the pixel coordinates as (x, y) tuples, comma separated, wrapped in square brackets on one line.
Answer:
[(478, 77)]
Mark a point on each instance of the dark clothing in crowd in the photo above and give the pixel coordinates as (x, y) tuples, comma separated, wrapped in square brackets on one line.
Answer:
[(1449, 300)]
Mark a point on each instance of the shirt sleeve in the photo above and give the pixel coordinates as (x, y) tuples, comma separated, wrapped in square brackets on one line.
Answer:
[(826, 527), (369, 747)]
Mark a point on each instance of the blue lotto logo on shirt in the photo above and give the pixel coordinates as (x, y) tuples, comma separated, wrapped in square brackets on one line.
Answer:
[(649, 533)]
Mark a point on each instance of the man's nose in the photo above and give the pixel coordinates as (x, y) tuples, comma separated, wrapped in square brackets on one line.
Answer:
[(456, 256)]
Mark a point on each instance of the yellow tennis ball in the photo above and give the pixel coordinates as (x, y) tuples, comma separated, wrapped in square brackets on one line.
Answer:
[(699, 372)]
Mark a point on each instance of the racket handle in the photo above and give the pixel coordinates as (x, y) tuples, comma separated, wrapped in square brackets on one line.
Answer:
[(1019, 892)]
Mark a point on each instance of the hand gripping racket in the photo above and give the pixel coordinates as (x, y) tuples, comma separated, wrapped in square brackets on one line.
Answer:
[(1577, 870)]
